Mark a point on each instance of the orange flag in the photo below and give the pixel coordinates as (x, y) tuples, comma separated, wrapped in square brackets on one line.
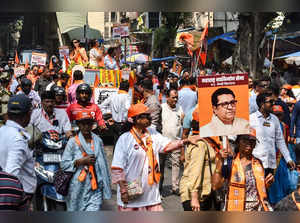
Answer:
[(203, 52), (132, 79), (66, 62), (51, 65), (17, 61), (97, 81), (26, 64)]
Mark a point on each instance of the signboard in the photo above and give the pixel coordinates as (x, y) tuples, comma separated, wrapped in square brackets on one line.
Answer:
[(120, 31), (101, 94), (63, 51), (38, 58), (89, 76), (227, 97), (19, 71)]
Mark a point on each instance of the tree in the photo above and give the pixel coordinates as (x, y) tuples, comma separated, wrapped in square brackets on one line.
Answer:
[(249, 55), (165, 35)]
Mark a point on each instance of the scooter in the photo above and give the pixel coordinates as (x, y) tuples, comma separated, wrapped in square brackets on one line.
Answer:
[(48, 157)]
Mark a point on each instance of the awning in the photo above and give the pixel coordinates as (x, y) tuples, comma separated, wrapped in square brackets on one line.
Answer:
[(226, 37), (73, 24), (297, 54)]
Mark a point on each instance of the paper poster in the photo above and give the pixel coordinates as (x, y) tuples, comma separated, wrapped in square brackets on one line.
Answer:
[(120, 31), (38, 58), (223, 105), (101, 94), (19, 71), (63, 51)]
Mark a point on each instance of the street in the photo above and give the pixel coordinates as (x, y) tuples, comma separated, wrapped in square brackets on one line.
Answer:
[(170, 202)]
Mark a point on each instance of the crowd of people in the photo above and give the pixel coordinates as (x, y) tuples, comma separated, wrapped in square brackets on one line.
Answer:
[(156, 123)]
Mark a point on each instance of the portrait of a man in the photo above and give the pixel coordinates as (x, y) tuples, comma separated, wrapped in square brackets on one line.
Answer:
[(224, 120)]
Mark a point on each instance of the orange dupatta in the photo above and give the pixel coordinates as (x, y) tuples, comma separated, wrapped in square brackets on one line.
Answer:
[(153, 167), (83, 173), (237, 185)]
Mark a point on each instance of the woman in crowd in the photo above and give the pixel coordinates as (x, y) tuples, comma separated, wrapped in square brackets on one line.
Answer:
[(78, 53), (286, 93), (246, 190), (84, 156), (96, 55)]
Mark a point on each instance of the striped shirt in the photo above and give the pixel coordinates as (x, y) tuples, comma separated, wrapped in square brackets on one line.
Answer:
[(12, 196)]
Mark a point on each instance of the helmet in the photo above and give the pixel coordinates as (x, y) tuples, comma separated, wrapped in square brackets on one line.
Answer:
[(84, 88), (5, 76), (59, 91), (84, 114)]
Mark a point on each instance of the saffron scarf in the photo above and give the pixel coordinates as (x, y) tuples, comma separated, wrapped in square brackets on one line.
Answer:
[(294, 199), (237, 185), (153, 167), (91, 168)]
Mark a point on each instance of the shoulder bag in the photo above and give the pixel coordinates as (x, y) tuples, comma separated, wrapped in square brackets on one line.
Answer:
[(62, 180)]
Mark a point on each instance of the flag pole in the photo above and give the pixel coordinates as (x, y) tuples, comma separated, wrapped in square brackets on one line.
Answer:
[(273, 52)]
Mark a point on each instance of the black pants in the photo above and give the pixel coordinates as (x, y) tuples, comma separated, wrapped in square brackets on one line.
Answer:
[(268, 171), (162, 163), (208, 204)]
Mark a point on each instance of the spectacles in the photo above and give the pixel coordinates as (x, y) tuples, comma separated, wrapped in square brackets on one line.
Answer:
[(270, 101), (290, 105), (75, 42), (227, 103)]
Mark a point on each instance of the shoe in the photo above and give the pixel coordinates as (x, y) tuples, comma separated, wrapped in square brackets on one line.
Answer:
[(176, 192)]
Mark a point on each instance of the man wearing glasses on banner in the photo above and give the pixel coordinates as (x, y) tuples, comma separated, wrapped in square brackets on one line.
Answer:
[(223, 121)]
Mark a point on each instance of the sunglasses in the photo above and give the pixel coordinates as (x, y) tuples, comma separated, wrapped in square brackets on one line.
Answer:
[(144, 116), (271, 102), (263, 85), (75, 42)]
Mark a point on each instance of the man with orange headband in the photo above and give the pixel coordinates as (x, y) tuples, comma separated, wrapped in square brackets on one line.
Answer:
[(136, 158)]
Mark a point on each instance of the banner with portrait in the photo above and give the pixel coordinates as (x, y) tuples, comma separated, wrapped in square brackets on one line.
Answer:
[(100, 94), (38, 58), (223, 105)]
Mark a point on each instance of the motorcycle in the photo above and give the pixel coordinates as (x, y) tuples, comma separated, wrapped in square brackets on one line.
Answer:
[(48, 156)]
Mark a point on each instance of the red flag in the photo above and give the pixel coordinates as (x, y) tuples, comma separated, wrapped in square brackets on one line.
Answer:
[(17, 61), (26, 64), (66, 62)]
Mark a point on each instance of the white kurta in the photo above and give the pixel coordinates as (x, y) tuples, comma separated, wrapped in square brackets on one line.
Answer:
[(130, 157)]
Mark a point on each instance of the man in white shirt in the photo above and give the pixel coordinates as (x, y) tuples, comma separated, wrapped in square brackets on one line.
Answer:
[(269, 134), (26, 88), (172, 118), (187, 98), (50, 118), (118, 104), (16, 157)]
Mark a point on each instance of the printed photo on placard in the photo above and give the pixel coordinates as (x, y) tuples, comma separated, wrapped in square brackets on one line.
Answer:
[(223, 103)]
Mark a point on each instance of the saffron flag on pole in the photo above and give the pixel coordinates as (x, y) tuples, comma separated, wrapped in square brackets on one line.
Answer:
[(17, 61)]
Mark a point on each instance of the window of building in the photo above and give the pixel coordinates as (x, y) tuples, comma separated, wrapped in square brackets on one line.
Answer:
[(106, 32), (153, 20), (106, 17), (113, 17)]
